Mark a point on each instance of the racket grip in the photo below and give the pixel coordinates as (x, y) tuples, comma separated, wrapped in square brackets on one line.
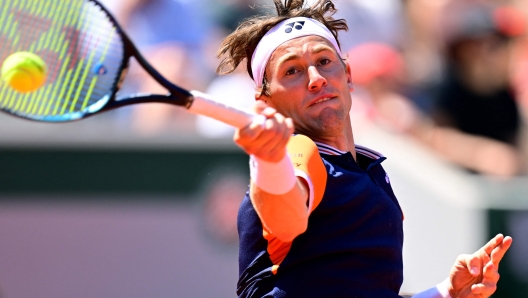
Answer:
[(204, 104)]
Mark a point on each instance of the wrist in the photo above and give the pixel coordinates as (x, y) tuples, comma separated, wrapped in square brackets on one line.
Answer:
[(445, 289), (441, 290), (272, 177)]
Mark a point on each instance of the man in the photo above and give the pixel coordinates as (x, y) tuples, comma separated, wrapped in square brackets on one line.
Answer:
[(320, 218)]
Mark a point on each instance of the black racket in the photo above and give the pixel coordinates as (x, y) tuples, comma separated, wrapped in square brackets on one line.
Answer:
[(87, 55)]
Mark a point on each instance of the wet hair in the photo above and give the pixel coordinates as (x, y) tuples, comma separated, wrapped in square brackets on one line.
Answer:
[(241, 44)]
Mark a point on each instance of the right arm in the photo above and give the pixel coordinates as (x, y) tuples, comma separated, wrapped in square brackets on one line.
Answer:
[(283, 210), (286, 215)]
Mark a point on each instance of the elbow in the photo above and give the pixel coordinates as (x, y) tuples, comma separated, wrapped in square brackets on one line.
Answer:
[(287, 232), (289, 237)]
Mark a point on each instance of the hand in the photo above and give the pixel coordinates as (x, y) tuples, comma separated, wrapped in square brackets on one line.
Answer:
[(267, 140), (476, 275)]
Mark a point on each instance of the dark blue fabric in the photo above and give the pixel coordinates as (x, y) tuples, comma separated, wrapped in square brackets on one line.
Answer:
[(352, 247)]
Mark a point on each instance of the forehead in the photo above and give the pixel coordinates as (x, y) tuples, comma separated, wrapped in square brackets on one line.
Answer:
[(294, 48)]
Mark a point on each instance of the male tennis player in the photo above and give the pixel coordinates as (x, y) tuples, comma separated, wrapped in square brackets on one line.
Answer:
[(320, 218)]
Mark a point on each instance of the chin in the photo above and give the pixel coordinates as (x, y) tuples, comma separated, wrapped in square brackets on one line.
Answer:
[(332, 117), (331, 125)]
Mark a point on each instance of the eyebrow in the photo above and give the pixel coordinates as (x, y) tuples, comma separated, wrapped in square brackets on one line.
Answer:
[(316, 50)]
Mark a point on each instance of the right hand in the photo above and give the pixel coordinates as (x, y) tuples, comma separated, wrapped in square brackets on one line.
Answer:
[(267, 140)]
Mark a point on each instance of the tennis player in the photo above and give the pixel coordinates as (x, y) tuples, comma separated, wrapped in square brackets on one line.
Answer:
[(320, 218)]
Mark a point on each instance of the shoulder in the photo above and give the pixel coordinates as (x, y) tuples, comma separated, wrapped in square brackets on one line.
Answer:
[(301, 143), (308, 165), (305, 156)]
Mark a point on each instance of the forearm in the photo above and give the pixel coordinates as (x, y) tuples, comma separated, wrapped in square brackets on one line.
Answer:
[(286, 215), (279, 197)]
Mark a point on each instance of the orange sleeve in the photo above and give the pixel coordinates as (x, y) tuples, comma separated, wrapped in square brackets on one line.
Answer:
[(305, 157)]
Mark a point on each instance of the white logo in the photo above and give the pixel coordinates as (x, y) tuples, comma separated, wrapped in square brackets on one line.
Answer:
[(331, 171)]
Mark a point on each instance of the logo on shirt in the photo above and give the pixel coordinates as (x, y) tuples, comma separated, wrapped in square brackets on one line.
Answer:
[(296, 25), (331, 171)]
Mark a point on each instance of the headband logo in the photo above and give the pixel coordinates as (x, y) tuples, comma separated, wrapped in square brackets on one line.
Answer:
[(296, 25)]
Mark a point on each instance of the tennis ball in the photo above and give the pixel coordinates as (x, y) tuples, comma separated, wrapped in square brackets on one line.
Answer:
[(24, 71)]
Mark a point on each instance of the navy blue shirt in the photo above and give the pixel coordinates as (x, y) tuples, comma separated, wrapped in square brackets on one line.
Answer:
[(351, 248)]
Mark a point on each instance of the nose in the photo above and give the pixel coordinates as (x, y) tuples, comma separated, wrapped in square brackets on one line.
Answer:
[(316, 80)]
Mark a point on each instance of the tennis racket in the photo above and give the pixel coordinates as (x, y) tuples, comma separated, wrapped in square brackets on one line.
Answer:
[(87, 55)]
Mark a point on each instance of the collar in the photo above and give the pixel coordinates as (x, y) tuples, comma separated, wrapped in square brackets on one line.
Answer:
[(367, 152)]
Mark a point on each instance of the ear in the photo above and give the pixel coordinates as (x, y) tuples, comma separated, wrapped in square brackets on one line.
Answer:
[(260, 96), (349, 77)]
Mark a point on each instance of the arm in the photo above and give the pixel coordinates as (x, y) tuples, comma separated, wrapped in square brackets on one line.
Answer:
[(285, 216), (279, 198)]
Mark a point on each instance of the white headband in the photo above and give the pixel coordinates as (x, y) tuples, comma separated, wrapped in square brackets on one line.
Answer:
[(281, 33)]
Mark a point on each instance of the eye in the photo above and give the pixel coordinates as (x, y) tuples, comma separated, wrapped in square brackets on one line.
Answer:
[(325, 61), (291, 71)]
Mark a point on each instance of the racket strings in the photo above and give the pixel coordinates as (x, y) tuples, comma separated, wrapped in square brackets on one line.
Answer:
[(82, 51)]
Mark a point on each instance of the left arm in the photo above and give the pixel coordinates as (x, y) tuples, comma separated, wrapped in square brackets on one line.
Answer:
[(473, 276)]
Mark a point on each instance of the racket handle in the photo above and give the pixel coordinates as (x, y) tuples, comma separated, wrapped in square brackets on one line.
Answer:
[(204, 104)]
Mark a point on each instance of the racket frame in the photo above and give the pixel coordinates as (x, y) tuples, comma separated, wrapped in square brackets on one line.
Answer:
[(176, 96)]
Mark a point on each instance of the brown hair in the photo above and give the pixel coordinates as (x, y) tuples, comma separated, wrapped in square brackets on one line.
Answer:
[(241, 44)]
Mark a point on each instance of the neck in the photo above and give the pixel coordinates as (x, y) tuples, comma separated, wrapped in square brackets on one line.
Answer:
[(343, 141)]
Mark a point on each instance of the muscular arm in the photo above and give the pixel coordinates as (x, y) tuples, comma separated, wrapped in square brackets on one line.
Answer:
[(285, 216), (283, 208)]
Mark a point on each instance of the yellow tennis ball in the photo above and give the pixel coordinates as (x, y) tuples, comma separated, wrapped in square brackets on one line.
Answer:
[(24, 71)]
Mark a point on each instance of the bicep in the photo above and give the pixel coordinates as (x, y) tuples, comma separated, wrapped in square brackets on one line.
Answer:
[(285, 216)]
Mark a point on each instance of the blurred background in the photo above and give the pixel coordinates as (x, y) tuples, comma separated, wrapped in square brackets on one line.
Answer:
[(142, 201)]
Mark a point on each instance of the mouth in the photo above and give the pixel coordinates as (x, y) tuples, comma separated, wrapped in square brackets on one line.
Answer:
[(320, 100)]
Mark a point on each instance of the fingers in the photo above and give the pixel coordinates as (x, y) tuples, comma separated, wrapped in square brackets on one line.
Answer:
[(277, 134), (498, 252), (266, 137), (259, 106), (493, 250), (496, 241), (482, 266), (488, 286), (482, 290), (490, 274), (473, 264)]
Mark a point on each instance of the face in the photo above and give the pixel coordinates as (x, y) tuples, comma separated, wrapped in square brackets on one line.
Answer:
[(309, 83)]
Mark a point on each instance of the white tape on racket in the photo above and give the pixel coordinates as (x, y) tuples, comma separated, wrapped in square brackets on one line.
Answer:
[(204, 104)]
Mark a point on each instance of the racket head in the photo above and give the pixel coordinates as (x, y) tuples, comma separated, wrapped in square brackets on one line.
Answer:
[(85, 52)]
